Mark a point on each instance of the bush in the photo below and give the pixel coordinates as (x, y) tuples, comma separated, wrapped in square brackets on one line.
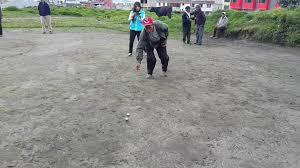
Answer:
[(12, 8), (275, 26)]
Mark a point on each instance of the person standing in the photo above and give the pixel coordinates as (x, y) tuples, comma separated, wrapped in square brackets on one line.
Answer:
[(200, 23), (186, 25), (221, 25), (1, 15), (154, 36), (135, 17), (44, 12)]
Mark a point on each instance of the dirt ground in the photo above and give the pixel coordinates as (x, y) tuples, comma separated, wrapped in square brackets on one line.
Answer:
[(226, 104)]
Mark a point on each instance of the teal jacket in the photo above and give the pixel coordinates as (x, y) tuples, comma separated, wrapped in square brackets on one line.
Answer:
[(136, 21)]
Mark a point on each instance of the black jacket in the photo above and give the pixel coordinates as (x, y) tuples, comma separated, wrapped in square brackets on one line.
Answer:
[(145, 40), (186, 20), (200, 18)]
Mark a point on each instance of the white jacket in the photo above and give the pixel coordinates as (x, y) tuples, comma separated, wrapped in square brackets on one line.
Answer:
[(222, 22)]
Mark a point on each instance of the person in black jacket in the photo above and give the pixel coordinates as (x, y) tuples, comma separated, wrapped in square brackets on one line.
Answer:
[(45, 12), (186, 25), (1, 33), (154, 36), (200, 22)]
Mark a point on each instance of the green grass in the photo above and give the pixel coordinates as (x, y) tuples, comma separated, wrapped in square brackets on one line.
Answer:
[(276, 26)]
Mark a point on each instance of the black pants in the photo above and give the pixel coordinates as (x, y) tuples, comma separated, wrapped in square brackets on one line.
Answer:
[(132, 37), (1, 32), (218, 31), (151, 60), (187, 34)]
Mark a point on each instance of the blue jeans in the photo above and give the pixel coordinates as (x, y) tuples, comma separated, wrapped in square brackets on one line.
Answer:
[(199, 33)]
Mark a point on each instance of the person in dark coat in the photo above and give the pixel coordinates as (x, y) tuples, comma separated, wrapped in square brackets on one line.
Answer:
[(1, 31), (44, 12), (200, 19), (154, 36), (186, 25)]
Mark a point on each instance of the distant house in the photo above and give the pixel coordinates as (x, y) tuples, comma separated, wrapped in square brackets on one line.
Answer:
[(74, 2), (19, 3), (99, 3), (226, 4), (122, 4), (179, 5), (208, 6)]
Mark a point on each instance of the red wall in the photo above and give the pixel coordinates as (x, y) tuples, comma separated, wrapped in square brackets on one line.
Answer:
[(236, 5), (263, 6), (249, 6)]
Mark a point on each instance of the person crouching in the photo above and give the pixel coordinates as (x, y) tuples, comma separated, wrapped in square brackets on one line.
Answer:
[(154, 36)]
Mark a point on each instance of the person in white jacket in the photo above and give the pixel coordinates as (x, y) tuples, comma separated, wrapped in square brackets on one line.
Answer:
[(221, 25)]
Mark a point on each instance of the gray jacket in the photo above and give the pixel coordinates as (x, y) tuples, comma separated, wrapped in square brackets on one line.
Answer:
[(147, 41), (222, 22)]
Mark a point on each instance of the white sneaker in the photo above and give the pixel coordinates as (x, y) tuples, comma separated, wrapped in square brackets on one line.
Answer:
[(129, 54), (149, 76), (164, 74)]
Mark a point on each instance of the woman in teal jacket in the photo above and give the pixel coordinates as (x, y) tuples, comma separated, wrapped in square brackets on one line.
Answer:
[(137, 14)]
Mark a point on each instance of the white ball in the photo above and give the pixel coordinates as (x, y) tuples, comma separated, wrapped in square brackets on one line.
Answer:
[(128, 114), (126, 119)]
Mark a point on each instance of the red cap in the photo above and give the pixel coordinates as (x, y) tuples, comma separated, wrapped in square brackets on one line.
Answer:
[(147, 21)]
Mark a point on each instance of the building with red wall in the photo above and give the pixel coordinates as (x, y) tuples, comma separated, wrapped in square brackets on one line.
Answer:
[(251, 5)]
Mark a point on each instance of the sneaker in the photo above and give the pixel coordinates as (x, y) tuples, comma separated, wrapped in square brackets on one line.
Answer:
[(50, 32), (129, 54), (149, 76), (44, 32), (164, 74), (211, 36)]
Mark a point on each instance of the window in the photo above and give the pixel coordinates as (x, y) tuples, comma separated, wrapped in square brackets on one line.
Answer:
[(226, 0), (226, 7), (194, 5), (144, 1), (262, 1), (234, 1), (248, 1), (175, 4), (208, 5)]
